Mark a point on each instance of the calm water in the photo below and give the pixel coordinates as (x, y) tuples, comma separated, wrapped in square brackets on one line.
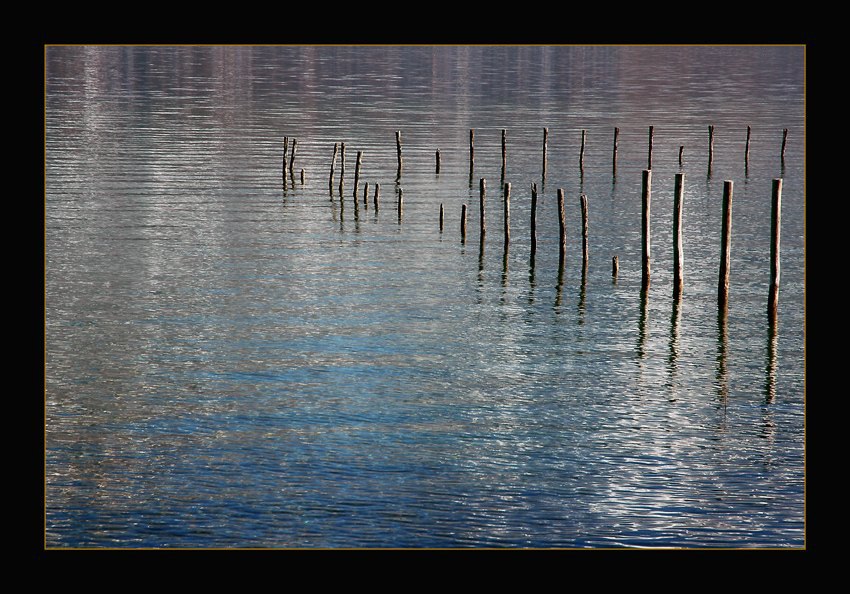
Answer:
[(235, 361)]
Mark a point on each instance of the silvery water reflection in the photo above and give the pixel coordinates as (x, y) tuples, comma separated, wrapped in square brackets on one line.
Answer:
[(238, 360)]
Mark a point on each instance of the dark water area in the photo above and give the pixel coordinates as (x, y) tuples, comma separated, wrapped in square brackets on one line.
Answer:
[(238, 359)]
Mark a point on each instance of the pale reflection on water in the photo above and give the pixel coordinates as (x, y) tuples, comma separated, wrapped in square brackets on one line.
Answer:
[(235, 360)]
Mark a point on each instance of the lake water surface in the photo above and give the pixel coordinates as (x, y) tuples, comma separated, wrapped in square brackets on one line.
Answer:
[(237, 359)]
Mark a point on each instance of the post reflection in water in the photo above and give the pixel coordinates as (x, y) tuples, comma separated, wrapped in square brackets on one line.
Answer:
[(673, 359), (642, 323), (770, 370), (722, 345)]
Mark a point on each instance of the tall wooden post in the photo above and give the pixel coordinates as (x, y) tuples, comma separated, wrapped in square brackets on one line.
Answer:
[(341, 168), (775, 223), (581, 154), (292, 156), (784, 139), (649, 156), (646, 196), (710, 146), (471, 151), (545, 149), (678, 196), (747, 149), (504, 152), (533, 223), (357, 172), (616, 145), (333, 165), (725, 245), (507, 213), (285, 149), (438, 161), (482, 187), (441, 217), (584, 242), (562, 226), (398, 150), (463, 224)]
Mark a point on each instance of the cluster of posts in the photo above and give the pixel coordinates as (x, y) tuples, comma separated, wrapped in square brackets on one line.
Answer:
[(646, 194)]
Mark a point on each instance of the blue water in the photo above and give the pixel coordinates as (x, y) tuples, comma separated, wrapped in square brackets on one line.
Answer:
[(237, 361)]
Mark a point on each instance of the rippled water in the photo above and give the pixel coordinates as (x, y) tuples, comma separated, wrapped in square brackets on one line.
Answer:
[(235, 360)]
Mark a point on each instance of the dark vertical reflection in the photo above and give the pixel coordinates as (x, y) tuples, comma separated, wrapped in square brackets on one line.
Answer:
[(582, 294), (673, 358), (770, 369), (642, 323), (722, 345)]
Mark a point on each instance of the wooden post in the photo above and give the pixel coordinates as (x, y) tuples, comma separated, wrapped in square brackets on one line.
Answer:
[(710, 145), (441, 217), (784, 139), (333, 165), (678, 196), (581, 154), (775, 221), (562, 244), (507, 213), (398, 149), (646, 196), (681, 154), (438, 161), (584, 251), (377, 193), (302, 177), (463, 224), (482, 186), (471, 150), (615, 266), (366, 195), (725, 245), (533, 224), (747, 149), (357, 172), (545, 149), (616, 144), (292, 155), (285, 149), (649, 156), (504, 152), (341, 168)]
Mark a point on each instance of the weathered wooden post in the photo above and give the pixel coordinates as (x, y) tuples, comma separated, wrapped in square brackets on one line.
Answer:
[(341, 168), (357, 166), (398, 150), (616, 144), (504, 152), (710, 146), (646, 196), (581, 154), (545, 149), (292, 155), (649, 156), (533, 223), (747, 149), (471, 151), (507, 213), (463, 224), (441, 217), (775, 222), (562, 224), (678, 196), (302, 177), (725, 246), (681, 154), (333, 166), (482, 186), (584, 248), (377, 194), (784, 139), (615, 267), (438, 161), (366, 195), (285, 149), (400, 204)]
